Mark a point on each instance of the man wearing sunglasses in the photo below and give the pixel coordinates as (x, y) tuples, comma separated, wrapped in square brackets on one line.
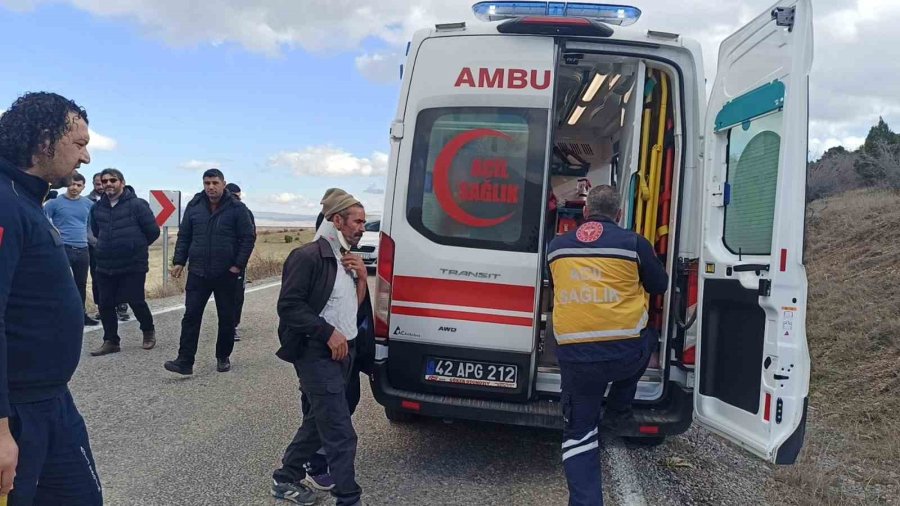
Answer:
[(125, 228)]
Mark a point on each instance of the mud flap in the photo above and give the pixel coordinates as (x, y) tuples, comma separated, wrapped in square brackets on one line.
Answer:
[(789, 451)]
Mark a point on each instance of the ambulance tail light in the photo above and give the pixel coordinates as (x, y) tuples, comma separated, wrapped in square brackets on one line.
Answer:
[(689, 355), (383, 286)]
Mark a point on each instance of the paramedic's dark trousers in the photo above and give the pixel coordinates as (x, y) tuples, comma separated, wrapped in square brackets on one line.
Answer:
[(197, 292), (583, 384), (327, 424), (56, 465)]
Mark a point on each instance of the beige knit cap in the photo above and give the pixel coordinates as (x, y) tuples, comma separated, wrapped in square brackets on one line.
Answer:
[(336, 200)]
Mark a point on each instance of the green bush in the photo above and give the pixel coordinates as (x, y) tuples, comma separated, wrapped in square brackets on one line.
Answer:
[(288, 239)]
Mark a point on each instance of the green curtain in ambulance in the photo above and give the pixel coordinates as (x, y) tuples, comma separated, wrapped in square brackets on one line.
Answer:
[(752, 176)]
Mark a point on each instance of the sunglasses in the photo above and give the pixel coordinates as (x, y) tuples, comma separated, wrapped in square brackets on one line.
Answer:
[(110, 180)]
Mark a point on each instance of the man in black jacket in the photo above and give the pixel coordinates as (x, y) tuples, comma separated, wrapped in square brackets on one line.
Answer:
[(45, 454), (323, 299), (94, 196), (125, 228), (239, 295), (215, 240)]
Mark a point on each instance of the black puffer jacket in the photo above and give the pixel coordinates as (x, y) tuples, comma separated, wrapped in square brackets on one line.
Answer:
[(124, 233), (210, 243)]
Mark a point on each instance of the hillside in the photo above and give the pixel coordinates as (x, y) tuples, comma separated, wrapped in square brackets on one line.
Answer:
[(853, 325)]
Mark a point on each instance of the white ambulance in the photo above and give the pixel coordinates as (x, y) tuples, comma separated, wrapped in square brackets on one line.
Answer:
[(502, 126)]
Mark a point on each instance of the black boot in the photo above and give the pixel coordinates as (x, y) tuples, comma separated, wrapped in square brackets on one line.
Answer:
[(179, 367)]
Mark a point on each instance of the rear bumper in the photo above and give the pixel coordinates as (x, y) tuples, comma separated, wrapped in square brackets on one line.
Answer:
[(670, 415)]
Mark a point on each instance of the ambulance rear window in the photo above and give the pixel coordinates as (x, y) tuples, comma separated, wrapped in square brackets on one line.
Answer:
[(476, 176)]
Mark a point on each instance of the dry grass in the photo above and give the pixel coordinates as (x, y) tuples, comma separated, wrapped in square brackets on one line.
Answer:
[(852, 451), (268, 257)]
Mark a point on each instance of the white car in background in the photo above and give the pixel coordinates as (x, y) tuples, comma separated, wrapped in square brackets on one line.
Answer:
[(368, 245)]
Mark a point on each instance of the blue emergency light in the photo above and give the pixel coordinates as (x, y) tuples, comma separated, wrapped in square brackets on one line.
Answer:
[(622, 15)]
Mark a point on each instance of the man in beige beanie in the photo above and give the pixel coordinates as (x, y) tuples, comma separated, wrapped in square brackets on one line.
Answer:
[(325, 328), (329, 193)]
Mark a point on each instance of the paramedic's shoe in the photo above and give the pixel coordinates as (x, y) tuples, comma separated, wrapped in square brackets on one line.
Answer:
[(297, 493), (106, 348), (179, 367), (323, 482)]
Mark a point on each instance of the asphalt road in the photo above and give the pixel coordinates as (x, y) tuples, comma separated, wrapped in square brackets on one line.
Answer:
[(214, 438)]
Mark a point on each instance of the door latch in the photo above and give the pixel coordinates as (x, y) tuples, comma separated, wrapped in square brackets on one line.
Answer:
[(784, 16), (765, 287)]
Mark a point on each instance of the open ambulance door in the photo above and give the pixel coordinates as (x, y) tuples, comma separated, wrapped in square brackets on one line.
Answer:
[(753, 369)]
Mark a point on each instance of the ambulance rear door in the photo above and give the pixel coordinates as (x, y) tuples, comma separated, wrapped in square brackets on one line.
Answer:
[(753, 367), (468, 207)]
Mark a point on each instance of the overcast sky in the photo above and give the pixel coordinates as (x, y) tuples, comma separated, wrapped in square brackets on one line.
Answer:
[(290, 97)]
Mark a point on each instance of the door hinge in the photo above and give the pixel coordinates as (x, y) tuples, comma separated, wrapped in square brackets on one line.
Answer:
[(397, 130), (784, 16)]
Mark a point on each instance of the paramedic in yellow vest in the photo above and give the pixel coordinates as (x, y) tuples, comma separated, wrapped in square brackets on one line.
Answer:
[(601, 275)]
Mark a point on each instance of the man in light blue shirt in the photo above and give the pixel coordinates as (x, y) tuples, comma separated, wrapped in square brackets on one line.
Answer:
[(69, 214)]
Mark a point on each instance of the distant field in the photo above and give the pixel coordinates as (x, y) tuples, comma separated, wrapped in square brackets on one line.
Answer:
[(852, 450), (268, 257)]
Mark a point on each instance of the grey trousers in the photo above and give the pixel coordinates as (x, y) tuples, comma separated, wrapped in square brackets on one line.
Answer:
[(326, 425)]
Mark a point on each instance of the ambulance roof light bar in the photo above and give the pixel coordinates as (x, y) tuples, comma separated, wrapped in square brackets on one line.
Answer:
[(612, 14)]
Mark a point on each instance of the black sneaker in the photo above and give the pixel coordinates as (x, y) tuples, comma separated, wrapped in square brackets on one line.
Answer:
[(122, 311), (237, 335), (296, 493), (90, 322), (179, 367), (223, 365)]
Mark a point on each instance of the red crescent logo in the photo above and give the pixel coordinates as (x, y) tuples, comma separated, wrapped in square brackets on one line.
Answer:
[(442, 190)]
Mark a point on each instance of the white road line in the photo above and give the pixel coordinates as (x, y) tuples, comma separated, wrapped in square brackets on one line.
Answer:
[(180, 307), (624, 477)]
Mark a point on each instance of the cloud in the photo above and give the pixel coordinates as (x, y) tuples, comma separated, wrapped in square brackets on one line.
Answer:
[(330, 161), (380, 68), (374, 189), (101, 142), (198, 165), (853, 81), (291, 202), (288, 198)]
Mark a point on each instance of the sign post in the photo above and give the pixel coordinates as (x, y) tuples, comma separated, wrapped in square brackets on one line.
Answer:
[(166, 207)]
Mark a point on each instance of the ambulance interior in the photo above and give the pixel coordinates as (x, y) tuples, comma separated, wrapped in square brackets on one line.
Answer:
[(607, 131)]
